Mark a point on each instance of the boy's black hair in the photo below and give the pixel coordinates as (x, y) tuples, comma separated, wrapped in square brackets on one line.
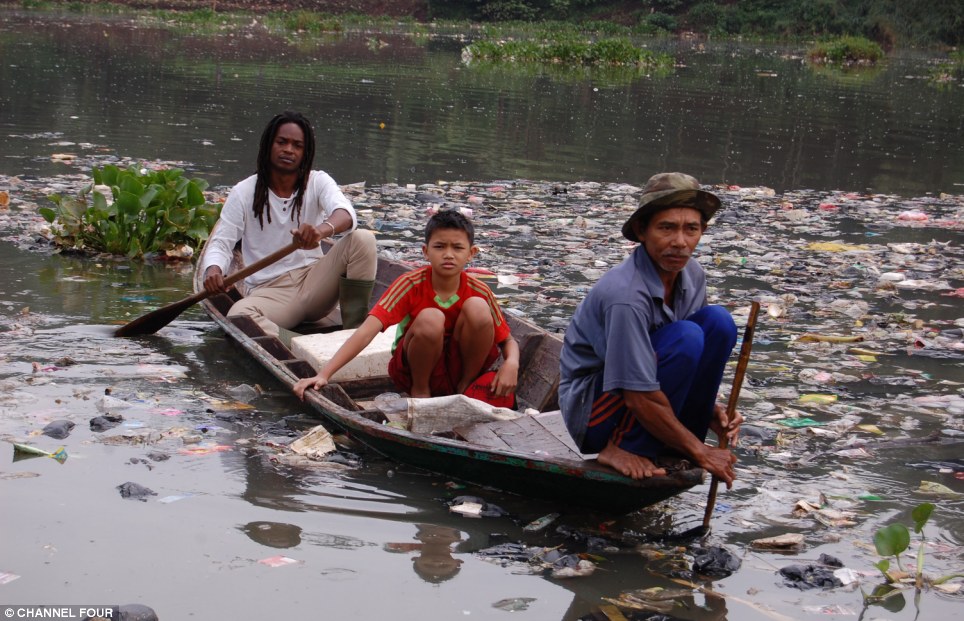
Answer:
[(264, 163), (449, 219)]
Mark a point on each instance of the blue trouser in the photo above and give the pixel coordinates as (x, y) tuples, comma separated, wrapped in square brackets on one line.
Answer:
[(691, 355)]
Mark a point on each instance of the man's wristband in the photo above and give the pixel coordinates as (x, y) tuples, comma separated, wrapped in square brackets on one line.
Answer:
[(333, 231)]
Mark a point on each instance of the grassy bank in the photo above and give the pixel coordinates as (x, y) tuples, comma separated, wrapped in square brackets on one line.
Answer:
[(888, 23)]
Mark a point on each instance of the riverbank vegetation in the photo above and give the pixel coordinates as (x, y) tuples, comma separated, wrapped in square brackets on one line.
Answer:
[(566, 50), (886, 22), (846, 51)]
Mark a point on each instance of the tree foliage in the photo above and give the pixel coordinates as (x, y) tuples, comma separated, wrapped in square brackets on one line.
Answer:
[(887, 22)]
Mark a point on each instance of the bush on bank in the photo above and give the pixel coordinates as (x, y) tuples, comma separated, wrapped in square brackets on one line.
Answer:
[(568, 51), (846, 51)]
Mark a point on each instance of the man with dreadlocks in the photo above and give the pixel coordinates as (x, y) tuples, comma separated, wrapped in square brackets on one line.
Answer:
[(286, 200)]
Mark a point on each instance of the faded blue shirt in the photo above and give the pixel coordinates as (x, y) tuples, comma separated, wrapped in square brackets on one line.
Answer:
[(607, 345)]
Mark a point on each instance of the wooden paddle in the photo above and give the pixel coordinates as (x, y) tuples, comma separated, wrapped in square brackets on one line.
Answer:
[(155, 320), (731, 403)]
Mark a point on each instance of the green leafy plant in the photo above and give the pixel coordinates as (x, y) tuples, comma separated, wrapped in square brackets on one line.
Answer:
[(892, 541), (566, 50), (149, 211), (846, 51)]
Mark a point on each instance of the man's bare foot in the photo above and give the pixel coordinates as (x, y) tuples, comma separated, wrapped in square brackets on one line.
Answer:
[(629, 464), (420, 394)]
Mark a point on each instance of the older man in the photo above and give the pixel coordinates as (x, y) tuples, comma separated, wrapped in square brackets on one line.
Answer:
[(644, 354)]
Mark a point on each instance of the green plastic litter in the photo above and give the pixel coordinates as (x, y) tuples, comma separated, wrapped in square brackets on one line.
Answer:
[(799, 422)]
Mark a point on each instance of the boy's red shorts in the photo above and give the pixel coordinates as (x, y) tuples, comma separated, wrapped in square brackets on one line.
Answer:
[(446, 374)]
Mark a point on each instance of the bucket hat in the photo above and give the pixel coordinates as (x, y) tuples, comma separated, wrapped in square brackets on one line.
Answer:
[(671, 189)]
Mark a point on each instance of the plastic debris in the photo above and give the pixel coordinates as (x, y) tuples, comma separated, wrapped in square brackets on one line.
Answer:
[(819, 399), (828, 338), (468, 509), (846, 576), (581, 569), (137, 612), (715, 561), (108, 403), (6, 577), (810, 576), (315, 444), (135, 491), (173, 498), (21, 450), (105, 422), (515, 604), (541, 523), (278, 561), (854, 453), (58, 429), (206, 448), (245, 393), (936, 489), (799, 422), (475, 506), (830, 609), (538, 560), (787, 542)]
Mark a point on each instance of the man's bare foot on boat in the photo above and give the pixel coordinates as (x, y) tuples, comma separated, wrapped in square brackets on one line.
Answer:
[(629, 464)]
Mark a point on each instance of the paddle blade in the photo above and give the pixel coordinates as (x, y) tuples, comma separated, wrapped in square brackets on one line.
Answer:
[(155, 320)]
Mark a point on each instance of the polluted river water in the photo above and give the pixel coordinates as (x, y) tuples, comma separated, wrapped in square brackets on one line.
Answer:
[(843, 437)]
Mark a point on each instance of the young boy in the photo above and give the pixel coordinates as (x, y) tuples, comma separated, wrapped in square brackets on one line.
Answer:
[(450, 326)]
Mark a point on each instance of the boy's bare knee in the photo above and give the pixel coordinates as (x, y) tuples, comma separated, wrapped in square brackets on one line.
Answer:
[(429, 323), (476, 312)]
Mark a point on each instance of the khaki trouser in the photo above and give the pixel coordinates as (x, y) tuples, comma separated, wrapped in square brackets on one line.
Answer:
[(310, 293)]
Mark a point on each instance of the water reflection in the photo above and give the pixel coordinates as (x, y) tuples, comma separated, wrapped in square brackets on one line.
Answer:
[(412, 113), (273, 534), (434, 561)]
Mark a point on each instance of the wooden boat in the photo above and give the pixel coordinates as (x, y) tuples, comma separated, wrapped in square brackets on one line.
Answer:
[(532, 455)]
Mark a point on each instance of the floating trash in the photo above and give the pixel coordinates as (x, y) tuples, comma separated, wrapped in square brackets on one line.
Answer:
[(541, 523), (21, 451), (515, 604), (58, 429), (278, 561), (787, 542), (315, 444), (135, 491)]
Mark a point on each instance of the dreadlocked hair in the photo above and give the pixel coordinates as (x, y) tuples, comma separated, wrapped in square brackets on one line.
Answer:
[(264, 164)]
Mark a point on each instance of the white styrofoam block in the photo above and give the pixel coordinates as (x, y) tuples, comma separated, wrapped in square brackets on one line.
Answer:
[(319, 348)]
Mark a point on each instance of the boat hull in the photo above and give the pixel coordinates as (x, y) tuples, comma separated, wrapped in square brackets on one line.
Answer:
[(565, 477)]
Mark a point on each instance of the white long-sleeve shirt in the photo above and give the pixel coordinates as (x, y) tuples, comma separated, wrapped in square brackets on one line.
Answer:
[(238, 222)]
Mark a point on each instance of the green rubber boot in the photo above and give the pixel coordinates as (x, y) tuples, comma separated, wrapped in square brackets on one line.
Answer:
[(354, 296)]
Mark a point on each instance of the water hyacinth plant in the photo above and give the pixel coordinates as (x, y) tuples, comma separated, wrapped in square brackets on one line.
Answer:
[(892, 541), (846, 51), (134, 212)]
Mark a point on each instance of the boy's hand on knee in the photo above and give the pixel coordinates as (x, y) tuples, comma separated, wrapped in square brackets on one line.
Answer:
[(506, 379)]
